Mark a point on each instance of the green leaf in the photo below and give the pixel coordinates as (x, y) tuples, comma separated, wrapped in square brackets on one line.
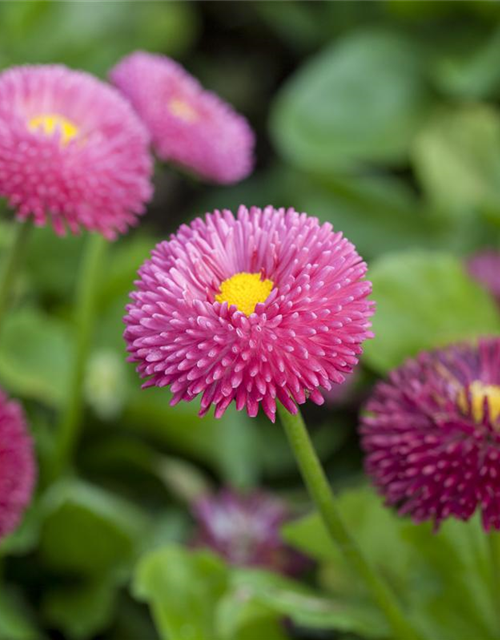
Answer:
[(359, 100), (15, 620), (424, 300), (457, 158), (435, 575), (81, 611), (35, 355), (182, 588), (79, 517)]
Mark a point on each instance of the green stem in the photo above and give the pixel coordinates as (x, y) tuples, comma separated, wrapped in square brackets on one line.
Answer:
[(319, 490), (11, 265), (85, 303), (494, 545)]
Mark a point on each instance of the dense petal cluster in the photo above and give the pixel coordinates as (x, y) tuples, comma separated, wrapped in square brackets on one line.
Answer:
[(72, 151), (17, 465), (189, 126), (304, 334), (485, 268), (244, 529), (432, 434)]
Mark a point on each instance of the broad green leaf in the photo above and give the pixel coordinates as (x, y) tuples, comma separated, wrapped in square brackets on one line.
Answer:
[(35, 355), (424, 300), (80, 517), (305, 607), (434, 574), (360, 100), (457, 158), (182, 589), (81, 611), (15, 619)]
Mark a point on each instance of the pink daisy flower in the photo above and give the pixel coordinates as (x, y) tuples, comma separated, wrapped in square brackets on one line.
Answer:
[(72, 151), (189, 126), (268, 305), (17, 465), (485, 268), (432, 434), (244, 529)]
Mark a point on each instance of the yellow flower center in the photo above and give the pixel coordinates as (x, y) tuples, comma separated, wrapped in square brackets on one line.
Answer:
[(479, 393), (245, 291), (51, 123), (182, 110)]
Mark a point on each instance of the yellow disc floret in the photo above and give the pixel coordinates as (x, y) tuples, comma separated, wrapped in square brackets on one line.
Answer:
[(479, 393), (49, 123), (182, 110), (245, 291)]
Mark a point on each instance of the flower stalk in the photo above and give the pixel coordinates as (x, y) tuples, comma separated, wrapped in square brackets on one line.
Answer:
[(320, 492), (11, 265), (85, 307)]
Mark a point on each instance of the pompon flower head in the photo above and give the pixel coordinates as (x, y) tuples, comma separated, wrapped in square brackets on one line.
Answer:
[(244, 529), (72, 151), (485, 269), (432, 434), (268, 305), (17, 465), (189, 126)]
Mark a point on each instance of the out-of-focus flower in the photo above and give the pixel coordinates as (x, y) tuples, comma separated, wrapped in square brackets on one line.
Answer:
[(266, 306), (72, 151), (432, 434), (17, 465), (189, 126), (485, 268), (245, 530)]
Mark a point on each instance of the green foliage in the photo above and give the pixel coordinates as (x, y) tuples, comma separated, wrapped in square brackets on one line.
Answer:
[(360, 100), (424, 300), (436, 574)]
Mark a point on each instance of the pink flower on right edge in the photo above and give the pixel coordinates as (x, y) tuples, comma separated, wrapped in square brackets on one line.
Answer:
[(244, 529), (484, 267), (432, 434), (17, 465), (189, 126)]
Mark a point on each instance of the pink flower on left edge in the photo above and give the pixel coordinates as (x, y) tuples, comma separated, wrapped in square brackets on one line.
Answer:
[(72, 151), (189, 126), (266, 306), (17, 465), (484, 267)]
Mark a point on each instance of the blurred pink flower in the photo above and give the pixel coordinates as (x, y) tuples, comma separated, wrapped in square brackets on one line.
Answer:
[(72, 151), (244, 529), (189, 126), (484, 267), (268, 305), (432, 434), (17, 465)]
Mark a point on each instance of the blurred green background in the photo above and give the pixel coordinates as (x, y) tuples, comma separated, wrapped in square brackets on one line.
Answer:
[(380, 117)]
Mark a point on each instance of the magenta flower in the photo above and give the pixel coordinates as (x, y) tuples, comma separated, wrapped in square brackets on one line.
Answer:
[(485, 268), (244, 529), (432, 434), (72, 151), (189, 126), (268, 305), (17, 465)]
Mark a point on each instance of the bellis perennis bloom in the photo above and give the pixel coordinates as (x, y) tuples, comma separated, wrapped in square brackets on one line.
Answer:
[(245, 530), (17, 465), (72, 151), (266, 306), (189, 126), (432, 434)]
